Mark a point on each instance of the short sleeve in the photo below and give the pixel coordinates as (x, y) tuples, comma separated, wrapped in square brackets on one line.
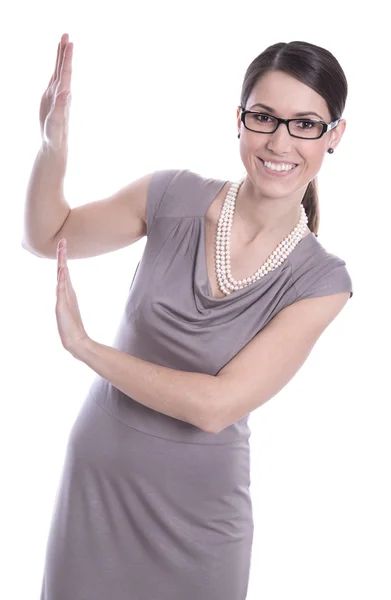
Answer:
[(158, 185), (332, 281)]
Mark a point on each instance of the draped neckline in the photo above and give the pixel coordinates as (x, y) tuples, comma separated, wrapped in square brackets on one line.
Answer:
[(248, 289)]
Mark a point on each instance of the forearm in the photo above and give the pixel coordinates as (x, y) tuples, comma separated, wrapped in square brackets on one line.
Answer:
[(183, 395), (45, 207)]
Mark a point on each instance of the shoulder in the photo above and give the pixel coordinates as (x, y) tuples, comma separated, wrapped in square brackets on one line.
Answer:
[(181, 192), (182, 177), (318, 272)]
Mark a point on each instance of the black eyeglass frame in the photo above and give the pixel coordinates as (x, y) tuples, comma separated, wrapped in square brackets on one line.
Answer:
[(326, 126)]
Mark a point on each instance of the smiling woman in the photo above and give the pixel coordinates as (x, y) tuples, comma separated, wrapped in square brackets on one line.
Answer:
[(283, 137), (231, 294)]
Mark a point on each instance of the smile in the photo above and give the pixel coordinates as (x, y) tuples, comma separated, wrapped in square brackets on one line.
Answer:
[(281, 170)]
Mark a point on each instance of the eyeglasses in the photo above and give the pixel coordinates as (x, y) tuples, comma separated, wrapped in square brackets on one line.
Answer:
[(306, 129)]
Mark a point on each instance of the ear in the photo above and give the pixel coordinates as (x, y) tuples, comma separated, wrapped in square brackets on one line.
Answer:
[(238, 113), (337, 133)]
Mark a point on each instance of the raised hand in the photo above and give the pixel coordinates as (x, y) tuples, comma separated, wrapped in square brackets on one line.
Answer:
[(54, 108)]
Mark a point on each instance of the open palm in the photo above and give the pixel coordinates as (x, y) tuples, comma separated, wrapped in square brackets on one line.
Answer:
[(69, 321)]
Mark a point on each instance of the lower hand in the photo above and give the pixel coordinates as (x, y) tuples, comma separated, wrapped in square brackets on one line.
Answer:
[(69, 322)]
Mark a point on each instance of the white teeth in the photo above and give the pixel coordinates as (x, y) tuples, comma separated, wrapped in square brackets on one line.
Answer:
[(279, 167)]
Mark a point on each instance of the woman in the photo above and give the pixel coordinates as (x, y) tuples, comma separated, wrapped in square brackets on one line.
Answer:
[(154, 498)]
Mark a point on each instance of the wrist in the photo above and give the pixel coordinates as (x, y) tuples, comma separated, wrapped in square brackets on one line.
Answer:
[(57, 155), (82, 348)]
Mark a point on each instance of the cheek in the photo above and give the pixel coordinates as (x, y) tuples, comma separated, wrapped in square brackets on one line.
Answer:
[(248, 151), (243, 151), (312, 157), (315, 161)]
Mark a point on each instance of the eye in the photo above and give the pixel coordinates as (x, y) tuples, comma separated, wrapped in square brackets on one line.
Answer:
[(310, 123), (261, 116)]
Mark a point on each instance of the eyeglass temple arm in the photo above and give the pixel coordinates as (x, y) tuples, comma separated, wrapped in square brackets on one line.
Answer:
[(332, 124)]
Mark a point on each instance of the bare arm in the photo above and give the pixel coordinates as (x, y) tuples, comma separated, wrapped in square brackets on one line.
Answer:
[(90, 229), (269, 361), (178, 394), (45, 207), (102, 225)]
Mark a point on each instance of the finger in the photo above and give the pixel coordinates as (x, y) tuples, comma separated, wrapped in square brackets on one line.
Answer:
[(58, 261), (53, 77), (65, 267), (68, 285), (66, 70), (63, 43), (66, 288), (67, 275), (61, 257), (60, 288)]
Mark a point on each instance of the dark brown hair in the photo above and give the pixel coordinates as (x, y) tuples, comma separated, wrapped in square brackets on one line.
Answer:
[(317, 68)]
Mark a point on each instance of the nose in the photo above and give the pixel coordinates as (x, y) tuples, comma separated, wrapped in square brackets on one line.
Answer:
[(280, 140)]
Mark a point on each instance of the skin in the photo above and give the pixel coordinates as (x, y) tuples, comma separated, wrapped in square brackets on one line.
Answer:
[(268, 208), (69, 321)]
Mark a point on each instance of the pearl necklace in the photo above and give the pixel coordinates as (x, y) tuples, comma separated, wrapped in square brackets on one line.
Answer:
[(227, 283)]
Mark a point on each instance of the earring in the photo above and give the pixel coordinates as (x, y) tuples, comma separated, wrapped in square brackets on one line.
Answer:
[(330, 150), (238, 135)]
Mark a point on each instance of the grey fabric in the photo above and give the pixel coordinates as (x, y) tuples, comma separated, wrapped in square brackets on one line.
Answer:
[(150, 507)]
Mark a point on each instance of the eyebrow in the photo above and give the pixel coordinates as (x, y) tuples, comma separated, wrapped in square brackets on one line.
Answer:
[(299, 114)]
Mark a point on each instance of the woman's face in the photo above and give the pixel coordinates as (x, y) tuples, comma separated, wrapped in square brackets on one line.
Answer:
[(286, 96)]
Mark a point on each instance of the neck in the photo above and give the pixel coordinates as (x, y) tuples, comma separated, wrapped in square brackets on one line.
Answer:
[(265, 217)]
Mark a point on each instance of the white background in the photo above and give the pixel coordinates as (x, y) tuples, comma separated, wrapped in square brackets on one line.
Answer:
[(321, 447)]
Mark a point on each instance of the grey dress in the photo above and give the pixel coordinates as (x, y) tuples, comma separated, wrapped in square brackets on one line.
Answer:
[(150, 507)]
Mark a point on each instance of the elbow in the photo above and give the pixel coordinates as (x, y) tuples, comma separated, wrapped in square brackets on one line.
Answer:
[(207, 424), (31, 249), (213, 421), (211, 428), (216, 425)]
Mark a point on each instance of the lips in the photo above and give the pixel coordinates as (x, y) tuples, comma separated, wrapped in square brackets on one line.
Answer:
[(275, 174), (288, 163)]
